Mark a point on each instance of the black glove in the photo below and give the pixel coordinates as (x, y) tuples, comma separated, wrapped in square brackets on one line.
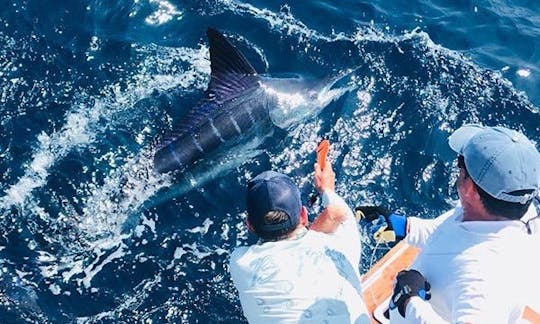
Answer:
[(385, 226), (409, 283)]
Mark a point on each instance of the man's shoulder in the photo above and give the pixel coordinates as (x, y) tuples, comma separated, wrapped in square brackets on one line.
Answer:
[(237, 258), (239, 251), (243, 254)]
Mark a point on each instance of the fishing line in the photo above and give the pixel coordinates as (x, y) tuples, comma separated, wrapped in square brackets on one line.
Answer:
[(371, 262), (374, 250)]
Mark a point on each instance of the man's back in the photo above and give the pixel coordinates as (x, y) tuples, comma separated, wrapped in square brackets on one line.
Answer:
[(307, 279), (487, 266)]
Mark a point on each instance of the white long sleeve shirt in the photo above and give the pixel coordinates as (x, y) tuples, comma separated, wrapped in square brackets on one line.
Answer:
[(312, 279), (479, 271)]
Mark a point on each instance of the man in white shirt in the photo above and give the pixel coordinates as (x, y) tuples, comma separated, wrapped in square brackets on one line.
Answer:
[(295, 274), (480, 259)]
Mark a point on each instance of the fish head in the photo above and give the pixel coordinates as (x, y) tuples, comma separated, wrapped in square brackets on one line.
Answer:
[(293, 100)]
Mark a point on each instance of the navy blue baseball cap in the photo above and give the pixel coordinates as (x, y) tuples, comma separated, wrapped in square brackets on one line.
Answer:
[(501, 161), (272, 191)]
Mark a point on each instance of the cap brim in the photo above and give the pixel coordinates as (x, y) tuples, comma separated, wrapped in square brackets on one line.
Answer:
[(462, 135)]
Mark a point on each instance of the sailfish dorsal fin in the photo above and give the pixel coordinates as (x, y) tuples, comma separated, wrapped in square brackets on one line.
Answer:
[(231, 73)]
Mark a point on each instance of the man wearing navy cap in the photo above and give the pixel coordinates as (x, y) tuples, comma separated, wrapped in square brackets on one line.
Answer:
[(295, 274), (477, 262)]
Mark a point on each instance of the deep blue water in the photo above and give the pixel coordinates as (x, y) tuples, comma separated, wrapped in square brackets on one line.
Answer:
[(89, 234)]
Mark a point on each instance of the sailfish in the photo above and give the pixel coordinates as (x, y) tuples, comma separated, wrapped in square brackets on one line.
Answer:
[(236, 103)]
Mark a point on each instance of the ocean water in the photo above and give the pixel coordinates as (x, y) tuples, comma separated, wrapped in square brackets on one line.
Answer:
[(89, 234)]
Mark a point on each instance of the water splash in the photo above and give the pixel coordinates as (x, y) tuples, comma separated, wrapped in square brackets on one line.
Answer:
[(165, 12), (84, 123)]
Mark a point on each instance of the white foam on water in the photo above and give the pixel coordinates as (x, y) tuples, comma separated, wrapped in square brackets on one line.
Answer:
[(428, 172), (55, 289), (164, 13), (123, 192), (75, 267), (276, 20), (141, 137), (282, 21), (49, 271), (130, 302), (91, 271), (357, 127), (225, 228), (381, 168), (195, 253), (105, 207), (67, 267), (94, 43), (297, 147), (45, 257), (83, 122), (524, 73), (202, 229), (199, 251), (138, 231), (22, 274), (179, 252), (150, 223), (50, 148)]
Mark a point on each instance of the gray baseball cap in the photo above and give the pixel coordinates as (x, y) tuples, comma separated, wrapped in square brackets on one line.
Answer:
[(499, 160)]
